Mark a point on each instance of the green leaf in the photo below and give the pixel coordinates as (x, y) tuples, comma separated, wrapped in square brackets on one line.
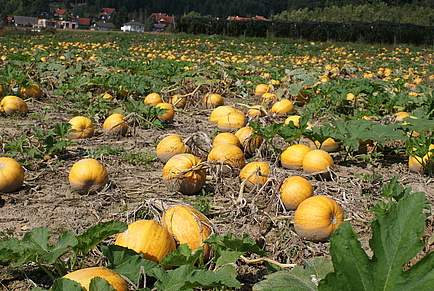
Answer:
[(97, 233), (62, 284), (127, 262), (395, 240), (183, 255), (100, 284), (64, 241), (299, 278)]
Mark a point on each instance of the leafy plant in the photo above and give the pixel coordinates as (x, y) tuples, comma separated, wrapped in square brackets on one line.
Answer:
[(145, 115)]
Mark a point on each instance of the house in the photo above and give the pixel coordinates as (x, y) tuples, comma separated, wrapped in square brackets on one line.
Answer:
[(104, 26), (161, 21), (133, 26), (61, 14), (24, 21), (44, 23), (80, 23), (106, 13)]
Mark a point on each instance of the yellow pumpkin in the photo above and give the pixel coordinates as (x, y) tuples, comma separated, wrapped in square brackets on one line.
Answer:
[(177, 101), (13, 104), (108, 96), (188, 226), (316, 161), (84, 276), (11, 175), (292, 156), (399, 116), (257, 111), (261, 89), (115, 124), (282, 108), (148, 238), (183, 173), (153, 99), (88, 176), (221, 111), (294, 190), (317, 217), (169, 146), (231, 121), (83, 127), (415, 162), (295, 119), (226, 137), (229, 156), (267, 99), (249, 142), (169, 114), (329, 145), (213, 100), (256, 174), (31, 90)]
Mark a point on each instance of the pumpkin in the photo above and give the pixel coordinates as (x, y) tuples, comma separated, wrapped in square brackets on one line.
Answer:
[(213, 100), (248, 140), (294, 190), (330, 145), (261, 89), (84, 276), (257, 111), (317, 217), (148, 238), (169, 146), (317, 161), (11, 175), (108, 96), (88, 176), (282, 108), (169, 114), (83, 127), (415, 162), (115, 124), (31, 90), (292, 156), (226, 137), (13, 104), (183, 173), (177, 101), (188, 226), (399, 116), (231, 121), (267, 99), (228, 155), (221, 111), (153, 99), (256, 174), (295, 119)]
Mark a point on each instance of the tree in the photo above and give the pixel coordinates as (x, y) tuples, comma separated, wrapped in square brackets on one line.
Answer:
[(121, 17)]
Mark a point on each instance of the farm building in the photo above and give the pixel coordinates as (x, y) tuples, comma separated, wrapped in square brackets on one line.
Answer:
[(133, 26)]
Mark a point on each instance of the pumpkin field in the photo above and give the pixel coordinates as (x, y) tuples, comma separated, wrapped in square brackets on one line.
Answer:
[(179, 162)]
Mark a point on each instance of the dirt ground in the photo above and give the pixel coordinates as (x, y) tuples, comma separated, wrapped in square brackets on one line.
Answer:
[(136, 191)]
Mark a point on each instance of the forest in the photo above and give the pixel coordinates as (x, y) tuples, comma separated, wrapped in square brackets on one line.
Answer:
[(420, 12)]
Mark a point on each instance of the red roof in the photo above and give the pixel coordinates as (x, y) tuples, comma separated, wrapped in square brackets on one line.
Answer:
[(162, 17), (82, 21), (107, 10), (60, 11)]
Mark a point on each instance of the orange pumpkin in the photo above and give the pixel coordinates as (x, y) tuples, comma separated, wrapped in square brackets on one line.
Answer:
[(221, 111), (295, 119), (31, 90), (317, 217), (84, 276), (188, 226), (292, 156), (88, 176), (13, 104), (415, 162), (177, 101), (11, 175), (153, 99), (256, 111), (115, 124), (229, 156), (149, 238), (231, 121), (248, 140), (83, 127), (213, 100), (294, 190), (183, 173), (261, 89), (329, 145), (169, 114), (226, 137), (169, 146), (317, 161), (256, 174), (267, 99), (282, 108)]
